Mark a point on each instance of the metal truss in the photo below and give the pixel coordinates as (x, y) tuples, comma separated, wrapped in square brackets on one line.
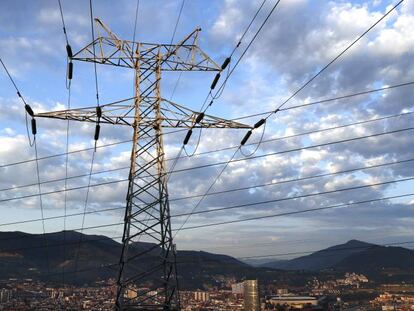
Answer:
[(172, 115), (147, 278)]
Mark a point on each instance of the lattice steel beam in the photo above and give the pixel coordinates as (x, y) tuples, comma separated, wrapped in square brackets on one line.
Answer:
[(147, 278)]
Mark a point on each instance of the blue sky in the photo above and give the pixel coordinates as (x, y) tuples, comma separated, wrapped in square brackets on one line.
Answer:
[(299, 39)]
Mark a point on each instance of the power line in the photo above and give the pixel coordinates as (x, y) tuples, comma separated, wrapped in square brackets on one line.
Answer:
[(243, 244), (94, 52), (325, 101), (240, 118), (292, 198), (244, 159), (218, 192), (112, 265), (66, 170), (12, 81), (104, 238), (229, 72), (85, 207), (135, 25), (212, 193), (197, 154), (41, 203), (296, 212), (63, 22), (339, 55), (81, 150), (247, 28), (30, 111), (26, 106), (70, 177), (135, 28), (207, 191), (257, 125), (333, 60), (96, 134), (298, 149), (177, 22), (244, 52), (68, 86), (221, 88), (60, 216), (327, 250), (172, 39), (273, 183), (262, 202)]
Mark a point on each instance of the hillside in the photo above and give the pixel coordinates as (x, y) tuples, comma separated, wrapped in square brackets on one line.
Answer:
[(24, 255), (322, 259), (382, 264), (354, 256)]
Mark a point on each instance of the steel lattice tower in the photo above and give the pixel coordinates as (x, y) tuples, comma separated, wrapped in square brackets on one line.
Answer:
[(146, 273)]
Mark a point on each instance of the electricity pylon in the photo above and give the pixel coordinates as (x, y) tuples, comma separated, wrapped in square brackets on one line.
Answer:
[(147, 278)]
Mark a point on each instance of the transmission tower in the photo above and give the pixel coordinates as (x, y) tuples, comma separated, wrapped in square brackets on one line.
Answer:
[(147, 278)]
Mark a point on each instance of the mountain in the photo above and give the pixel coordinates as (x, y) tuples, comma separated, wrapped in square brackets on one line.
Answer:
[(354, 255), (379, 257), (24, 255), (323, 259)]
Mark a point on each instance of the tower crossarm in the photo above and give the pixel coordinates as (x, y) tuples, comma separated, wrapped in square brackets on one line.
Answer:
[(122, 113), (108, 49)]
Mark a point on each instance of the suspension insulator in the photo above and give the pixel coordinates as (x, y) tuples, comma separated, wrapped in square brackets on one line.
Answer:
[(34, 128), (69, 51), (70, 70), (216, 78), (259, 123), (97, 131), (246, 137), (225, 63), (199, 118), (98, 112), (187, 137), (29, 110)]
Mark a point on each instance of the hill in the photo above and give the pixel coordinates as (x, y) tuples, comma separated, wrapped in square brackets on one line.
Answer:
[(322, 259), (24, 255), (354, 256)]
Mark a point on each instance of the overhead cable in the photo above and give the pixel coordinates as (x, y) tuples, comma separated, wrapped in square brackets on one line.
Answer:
[(239, 159), (273, 183), (332, 61)]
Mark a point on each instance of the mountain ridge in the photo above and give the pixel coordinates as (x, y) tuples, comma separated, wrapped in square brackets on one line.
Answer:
[(24, 255), (353, 255)]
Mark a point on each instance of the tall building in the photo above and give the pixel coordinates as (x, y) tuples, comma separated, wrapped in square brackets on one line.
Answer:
[(201, 296), (5, 295), (251, 296)]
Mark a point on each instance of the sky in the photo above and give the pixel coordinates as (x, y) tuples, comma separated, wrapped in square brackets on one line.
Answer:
[(299, 39)]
